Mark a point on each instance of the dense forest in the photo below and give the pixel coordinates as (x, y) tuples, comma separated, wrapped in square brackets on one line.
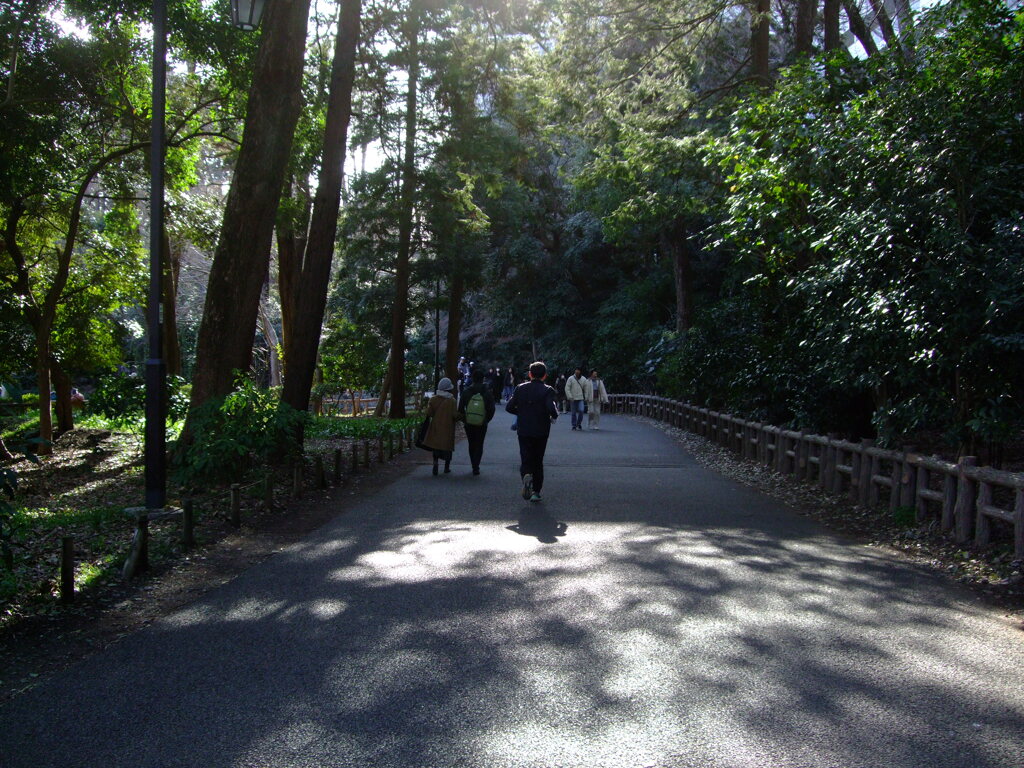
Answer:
[(805, 212)]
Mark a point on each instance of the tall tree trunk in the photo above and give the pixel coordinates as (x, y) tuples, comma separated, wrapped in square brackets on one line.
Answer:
[(316, 401), (830, 19), (859, 28), (400, 310), (884, 22), (43, 381), (169, 289), (62, 390), (456, 290), (677, 247), (385, 387), (241, 260), (292, 236), (303, 343), (806, 11), (760, 41)]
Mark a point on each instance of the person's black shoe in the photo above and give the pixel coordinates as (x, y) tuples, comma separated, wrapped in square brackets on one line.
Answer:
[(476, 470), (435, 469)]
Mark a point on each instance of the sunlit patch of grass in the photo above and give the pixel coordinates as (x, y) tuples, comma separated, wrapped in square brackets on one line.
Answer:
[(13, 426), (97, 570), (43, 519)]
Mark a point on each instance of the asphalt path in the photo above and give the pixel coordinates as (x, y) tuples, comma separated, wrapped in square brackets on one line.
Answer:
[(661, 616)]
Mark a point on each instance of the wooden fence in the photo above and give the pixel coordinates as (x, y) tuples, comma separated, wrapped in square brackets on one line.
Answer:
[(964, 497), (346, 406)]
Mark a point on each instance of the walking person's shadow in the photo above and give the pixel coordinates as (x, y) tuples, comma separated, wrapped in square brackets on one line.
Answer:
[(541, 525)]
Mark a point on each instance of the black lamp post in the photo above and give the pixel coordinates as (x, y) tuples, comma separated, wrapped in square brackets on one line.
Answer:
[(245, 14), (156, 368)]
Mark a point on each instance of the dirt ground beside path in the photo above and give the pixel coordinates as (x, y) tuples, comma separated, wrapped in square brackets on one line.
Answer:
[(44, 644)]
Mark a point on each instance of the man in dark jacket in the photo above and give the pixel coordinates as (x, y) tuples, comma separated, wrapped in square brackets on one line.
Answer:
[(533, 403), (475, 433)]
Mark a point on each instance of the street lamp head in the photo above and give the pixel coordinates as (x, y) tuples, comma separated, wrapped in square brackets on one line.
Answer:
[(245, 14)]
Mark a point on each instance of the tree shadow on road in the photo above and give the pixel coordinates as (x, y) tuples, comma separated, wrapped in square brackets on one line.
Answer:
[(670, 636)]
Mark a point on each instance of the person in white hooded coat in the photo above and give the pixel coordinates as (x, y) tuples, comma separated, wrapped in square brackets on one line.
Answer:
[(596, 396)]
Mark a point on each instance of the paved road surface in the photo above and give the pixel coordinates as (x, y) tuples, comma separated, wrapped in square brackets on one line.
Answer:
[(678, 620)]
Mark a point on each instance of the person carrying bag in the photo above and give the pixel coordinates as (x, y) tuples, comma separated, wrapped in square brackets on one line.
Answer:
[(439, 434)]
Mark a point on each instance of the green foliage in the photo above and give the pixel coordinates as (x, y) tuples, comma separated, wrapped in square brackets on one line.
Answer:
[(120, 397), (876, 215), (234, 433), (350, 357)]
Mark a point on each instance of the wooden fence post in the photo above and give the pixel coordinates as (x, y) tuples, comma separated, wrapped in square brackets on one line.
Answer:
[(67, 569), (380, 449), (138, 555), (894, 484), (908, 478), (856, 458), (366, 452), (800, 459), (827, 466), (920, 502), (338, 466), (321, 474), (983, 526), (779, 454), (236, 505), (876, 465), (864, 481), (966, 491)]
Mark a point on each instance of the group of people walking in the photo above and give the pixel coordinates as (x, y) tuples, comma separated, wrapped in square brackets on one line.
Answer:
[(534, 403), (585, 396), (499, 381)]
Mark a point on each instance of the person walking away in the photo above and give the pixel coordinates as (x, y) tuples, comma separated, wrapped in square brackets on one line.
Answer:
[(476, 409), (533, 405), (443, 413), (510, 384), (496, 386), (597, 396), (560, 392), (576, 394), (463, 368)]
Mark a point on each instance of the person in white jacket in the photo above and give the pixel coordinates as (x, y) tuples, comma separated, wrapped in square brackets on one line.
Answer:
[(576, 393), (597, 396)]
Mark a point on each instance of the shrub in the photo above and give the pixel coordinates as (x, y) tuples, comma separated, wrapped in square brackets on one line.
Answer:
[(121, 397), (234, 433)]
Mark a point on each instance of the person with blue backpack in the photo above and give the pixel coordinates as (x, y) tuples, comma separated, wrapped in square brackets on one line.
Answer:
[(476, 406)]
